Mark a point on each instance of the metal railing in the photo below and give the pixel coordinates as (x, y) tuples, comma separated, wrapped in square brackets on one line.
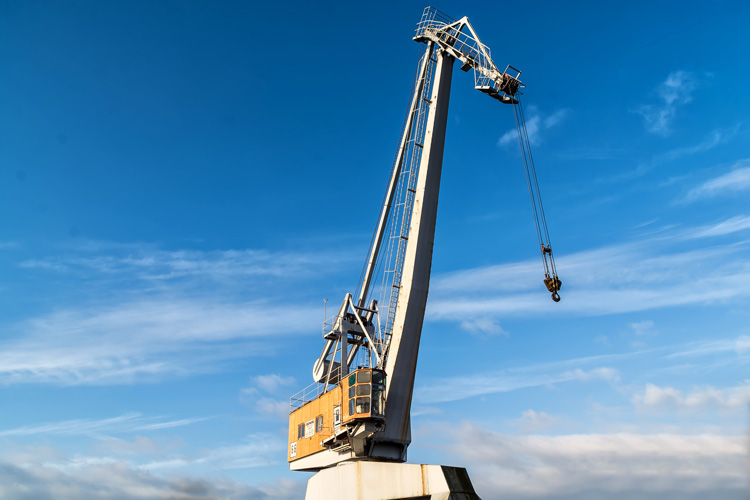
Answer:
[(436, 24), (311, 392), (461, 37)]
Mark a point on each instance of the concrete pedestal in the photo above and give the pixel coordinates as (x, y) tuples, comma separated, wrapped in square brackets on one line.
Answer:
[(390, 481)]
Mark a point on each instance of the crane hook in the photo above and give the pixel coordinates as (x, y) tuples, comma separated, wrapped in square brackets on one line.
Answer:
[(553, 285)]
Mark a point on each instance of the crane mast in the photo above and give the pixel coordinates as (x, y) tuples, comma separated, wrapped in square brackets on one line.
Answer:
[(361, 411)]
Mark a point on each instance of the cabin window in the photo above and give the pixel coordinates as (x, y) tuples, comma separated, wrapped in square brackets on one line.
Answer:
[(363, 390), (377, 400), (363, 377), (353, 379), (363, 405), (309, 428), (351, 391), (351, 406), (319, 423), (300, 431), (377, 377)]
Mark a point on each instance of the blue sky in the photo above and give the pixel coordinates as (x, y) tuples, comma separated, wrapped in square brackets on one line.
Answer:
[(183, 183)]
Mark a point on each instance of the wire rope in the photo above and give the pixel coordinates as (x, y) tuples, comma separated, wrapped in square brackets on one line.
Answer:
[(551, 281)]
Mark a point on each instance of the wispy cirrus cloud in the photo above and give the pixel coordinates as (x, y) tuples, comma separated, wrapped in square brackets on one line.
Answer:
[(739, 346), (603, 373), (143, 339), (256, 450), (674, 92), (729, 226), (536, 124), (441, 390), (636, 276), (733, 182), (148, 313), (710, 141), (98, 428), (113, 447), (147, 262), (603, 368)]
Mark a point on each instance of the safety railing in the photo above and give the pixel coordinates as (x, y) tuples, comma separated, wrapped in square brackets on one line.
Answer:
[(311, 392), (461, 38), (438, 25)]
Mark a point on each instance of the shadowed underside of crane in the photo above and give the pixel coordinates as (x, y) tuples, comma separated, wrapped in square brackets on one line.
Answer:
[(359, 406)]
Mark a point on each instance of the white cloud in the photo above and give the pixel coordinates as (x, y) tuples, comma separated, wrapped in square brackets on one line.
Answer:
[(258, 450), (170, 424), (593, 466), (710, 141), (639, 276), (273, 408), (676, 91), (265, 404), (144, 339), (98, 428), (271, 382), (729, 226), (738, 345), (139, 446), (582, 369), (145, 314), (424, 410), (108, 479), (742, 346), (535, 125), (736, 181), (642, 327), (148, 263), (700, 398), (483, 326), (142, 454), (539, 375), (603, 373), (713, 139), (534, 421)]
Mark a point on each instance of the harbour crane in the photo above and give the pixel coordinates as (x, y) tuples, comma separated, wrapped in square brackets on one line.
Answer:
[(358, 408)]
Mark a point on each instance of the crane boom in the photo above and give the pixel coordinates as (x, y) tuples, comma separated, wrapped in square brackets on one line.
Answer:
[(403, 350), (363, 411)]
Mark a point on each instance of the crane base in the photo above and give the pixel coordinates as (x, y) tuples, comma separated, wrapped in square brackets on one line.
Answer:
[(390, 481)]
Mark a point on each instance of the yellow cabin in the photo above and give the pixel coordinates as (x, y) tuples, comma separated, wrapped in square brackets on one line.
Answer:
[(320, 421)]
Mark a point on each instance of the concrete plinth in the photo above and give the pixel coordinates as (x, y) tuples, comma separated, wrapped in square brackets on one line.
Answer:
[(390, 481)]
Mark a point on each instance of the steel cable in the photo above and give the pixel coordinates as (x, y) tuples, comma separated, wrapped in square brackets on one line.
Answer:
[(540, 220)]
